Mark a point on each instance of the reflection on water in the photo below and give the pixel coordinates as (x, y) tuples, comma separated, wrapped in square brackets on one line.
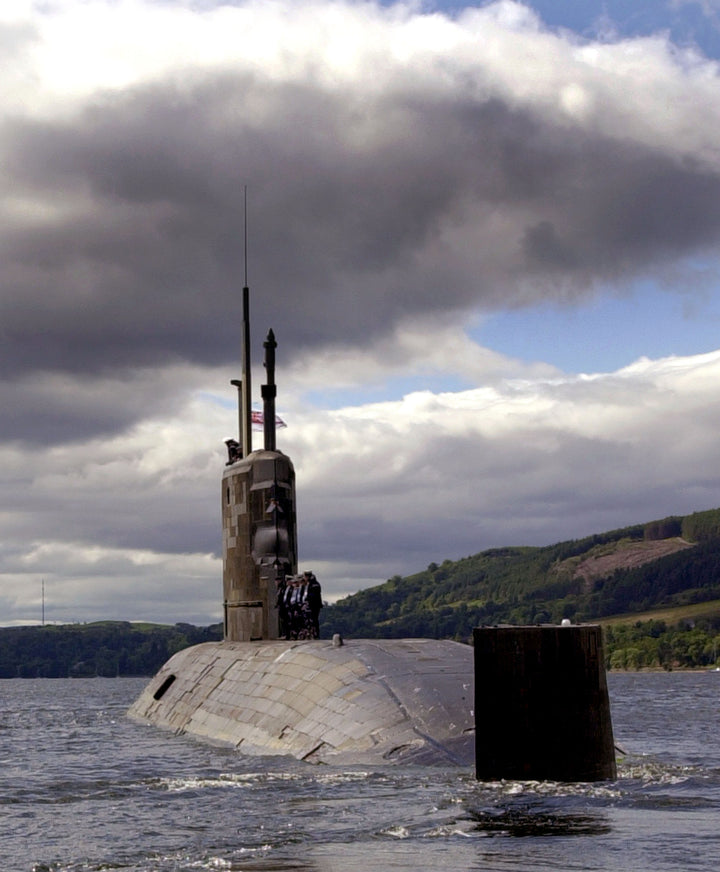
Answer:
[(519, 822)]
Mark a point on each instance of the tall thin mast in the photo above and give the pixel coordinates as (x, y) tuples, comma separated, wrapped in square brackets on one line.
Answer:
[(246, 389)]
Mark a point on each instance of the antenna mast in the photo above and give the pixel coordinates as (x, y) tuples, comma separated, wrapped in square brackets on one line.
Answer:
[(246, 389)]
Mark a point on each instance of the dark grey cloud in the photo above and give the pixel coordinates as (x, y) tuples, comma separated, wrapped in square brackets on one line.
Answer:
[(364, 210), (39, 410)]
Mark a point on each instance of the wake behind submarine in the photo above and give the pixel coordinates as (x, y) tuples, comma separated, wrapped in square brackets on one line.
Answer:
[(357, 702)]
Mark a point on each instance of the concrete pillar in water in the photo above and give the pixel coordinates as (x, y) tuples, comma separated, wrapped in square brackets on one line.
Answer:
[(542, 711)]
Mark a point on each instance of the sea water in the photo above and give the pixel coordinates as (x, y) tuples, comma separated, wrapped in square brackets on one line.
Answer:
[(84, 788)]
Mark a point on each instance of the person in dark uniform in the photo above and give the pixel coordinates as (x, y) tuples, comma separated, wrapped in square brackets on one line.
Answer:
[(314, 601), (282, 602), (233, 450), (289, 607)]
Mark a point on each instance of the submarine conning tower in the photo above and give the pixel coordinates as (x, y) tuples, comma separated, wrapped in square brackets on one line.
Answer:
[(258, 512), (259, 542)]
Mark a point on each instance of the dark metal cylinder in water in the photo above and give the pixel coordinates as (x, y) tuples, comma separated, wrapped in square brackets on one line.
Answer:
[(542, 711)]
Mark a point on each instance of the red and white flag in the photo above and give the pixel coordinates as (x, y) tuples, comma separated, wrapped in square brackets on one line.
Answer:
[(258, 420)]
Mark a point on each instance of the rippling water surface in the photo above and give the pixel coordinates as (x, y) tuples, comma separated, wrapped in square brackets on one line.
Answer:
[(83, 788)]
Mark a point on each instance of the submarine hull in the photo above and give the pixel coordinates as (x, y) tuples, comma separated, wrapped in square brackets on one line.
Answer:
[(364, 702)]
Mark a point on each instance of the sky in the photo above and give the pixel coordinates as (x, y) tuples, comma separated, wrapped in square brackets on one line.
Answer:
[(486, 238)]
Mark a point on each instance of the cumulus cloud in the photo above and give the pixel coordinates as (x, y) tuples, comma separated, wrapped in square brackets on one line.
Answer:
[(407, 173), (399, 164)]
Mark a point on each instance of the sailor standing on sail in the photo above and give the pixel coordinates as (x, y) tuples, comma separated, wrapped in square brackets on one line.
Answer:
[(287, 609), (314, 601), (299, 605), (296, 598), (282, 601)]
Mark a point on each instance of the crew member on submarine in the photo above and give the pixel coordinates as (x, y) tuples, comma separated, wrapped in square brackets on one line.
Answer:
[(299, 601)]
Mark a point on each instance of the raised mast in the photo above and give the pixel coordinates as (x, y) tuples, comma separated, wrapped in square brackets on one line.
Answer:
[(269, 392), (245, 386), (246, 383)]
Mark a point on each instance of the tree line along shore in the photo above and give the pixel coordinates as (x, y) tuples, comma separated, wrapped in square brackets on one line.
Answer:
[(109, 649)]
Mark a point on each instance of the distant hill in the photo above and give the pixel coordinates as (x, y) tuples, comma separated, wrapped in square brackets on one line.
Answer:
[(102, 648), (660, 565)]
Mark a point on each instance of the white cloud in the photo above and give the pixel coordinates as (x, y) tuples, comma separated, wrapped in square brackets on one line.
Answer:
[(422, 348), (77, 583)]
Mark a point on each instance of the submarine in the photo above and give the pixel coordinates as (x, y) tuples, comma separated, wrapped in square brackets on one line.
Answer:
[(355, 701)]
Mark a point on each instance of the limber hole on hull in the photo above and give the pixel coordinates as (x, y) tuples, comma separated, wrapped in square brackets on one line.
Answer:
[(160, 692)]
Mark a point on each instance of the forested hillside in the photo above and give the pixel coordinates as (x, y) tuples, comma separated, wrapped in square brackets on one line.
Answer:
[(667, 563), (106, 648)]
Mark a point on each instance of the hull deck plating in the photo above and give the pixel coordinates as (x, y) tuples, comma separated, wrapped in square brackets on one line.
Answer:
[(368, 701)]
